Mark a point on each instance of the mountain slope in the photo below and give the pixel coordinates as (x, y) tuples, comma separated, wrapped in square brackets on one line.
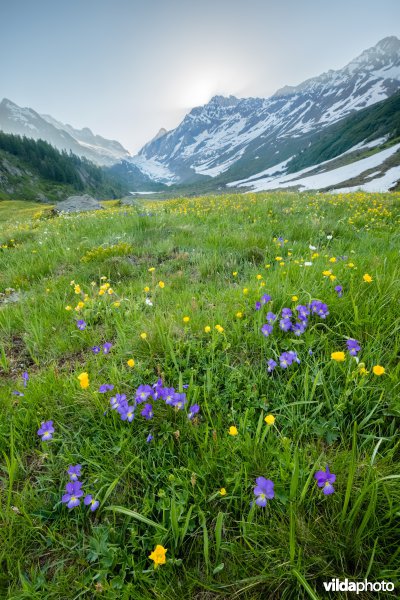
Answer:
[(238, 137), (26, 121)]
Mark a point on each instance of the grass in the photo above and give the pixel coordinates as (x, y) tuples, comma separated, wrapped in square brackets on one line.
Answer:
[(167, 491)]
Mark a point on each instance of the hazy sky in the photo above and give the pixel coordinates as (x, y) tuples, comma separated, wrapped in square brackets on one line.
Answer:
[(125, 68)]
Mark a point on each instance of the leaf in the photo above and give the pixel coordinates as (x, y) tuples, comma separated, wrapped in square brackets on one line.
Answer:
[(135, 515)]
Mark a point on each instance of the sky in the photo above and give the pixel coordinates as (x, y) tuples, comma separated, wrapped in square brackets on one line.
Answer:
[(126, 68)]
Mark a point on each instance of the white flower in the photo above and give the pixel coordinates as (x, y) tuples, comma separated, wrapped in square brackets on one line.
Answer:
[(148, 302), (329, 237), (312, 247), (308, 264)]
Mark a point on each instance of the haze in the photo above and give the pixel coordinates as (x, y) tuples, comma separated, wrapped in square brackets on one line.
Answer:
[(126, 68)]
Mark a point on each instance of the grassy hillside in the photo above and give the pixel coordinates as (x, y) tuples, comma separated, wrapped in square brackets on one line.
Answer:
[(34, 170), (173, 287)]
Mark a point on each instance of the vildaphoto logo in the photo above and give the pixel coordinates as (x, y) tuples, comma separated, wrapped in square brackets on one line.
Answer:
[(336, 585)]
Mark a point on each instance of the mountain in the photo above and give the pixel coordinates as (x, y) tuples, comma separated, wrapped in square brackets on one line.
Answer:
[(231, 138), (26, 121)]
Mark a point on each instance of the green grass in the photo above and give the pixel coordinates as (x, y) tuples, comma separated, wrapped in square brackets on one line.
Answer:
[(168, 491)]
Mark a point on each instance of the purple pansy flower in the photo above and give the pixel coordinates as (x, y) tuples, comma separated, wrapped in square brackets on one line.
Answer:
[(339, 290), (107, 347), (319, 308), (25, 377), (299, 327), (271, 365), (74, 472), (264, 490), (106, 387), (149, 438), (325, 480), (74, 492), (271, 317), (118, 401), (266, 298), (46, 430), (169, 394), (81, 324), (303, 311), (179, 401), (127, 412), (267, 329), (142, 393), (17, 393), (147, 411), (193, 410), (285, 324), (353, 346), (257, 305), (90, 501), (95, 349), (286, 313), (288, 358)]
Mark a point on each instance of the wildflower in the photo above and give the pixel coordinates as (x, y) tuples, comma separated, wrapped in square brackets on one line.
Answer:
[(271, 317), (130, 362), (106, 387), (294, 298), (127, 412), (169, 395), (245, 291), (74, 472), (161, 284), (83, 380), (222, 492), (333, 259), (332, 277), (325, 480), (158, 556), (186, 319), (77, 289), (95, 349), (259, 277), (285, 324), (278, 258), (257, 305), (146, 289), (143, 336), (74, 492), (25, 377), (89, 501), (46, 430), (107, 347), (299, 327), (81, 325), (308, 264), (271, 365), (193, 410), (235, 273), (288, 358), (264, 490), (378, 370), (239, 315), (326, 273), (267, 329), (353, 346), (363, 371), (178, 400), (233, 430), (265, 298), (207, 329), (148, 302), (142, 393), (338, 356), (367, 278), (269, 419), (17, 393), (68, 307), (151, 269), (339, 291), (312, 247), (147, 411), (319, 308), (219, 328), (110, 291), (149, 438)]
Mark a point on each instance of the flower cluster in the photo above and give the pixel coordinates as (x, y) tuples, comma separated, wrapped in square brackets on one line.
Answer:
[(74, 490), (289, 321), (286, 359)]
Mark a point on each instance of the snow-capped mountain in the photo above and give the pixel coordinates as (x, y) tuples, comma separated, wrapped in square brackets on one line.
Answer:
[(234, 138), (26, 121)]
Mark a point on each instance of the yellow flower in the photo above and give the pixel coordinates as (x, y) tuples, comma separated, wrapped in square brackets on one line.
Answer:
[(295, 298), (186, 319), (278, 258), (83, 380), (103, 278), (363, 371), (158, 556), (222, 491), (269, 419), (332, 260), (326, 273), (315, 255), (219, 328), (146, 289), (101, 292), (235, 273), (110, 291), (245, 291), (267, 266), (233, 430), (367, 278), (259, 276), (378, 370), (117, 304), (282, 264), (332, 277), (77, 289), (350, 265), (338, 356), (152, 269), (81, 304), (68, 307), (207, 329), (143, 335), (289, 253), (239, 315), (161, 284), (130, 362)]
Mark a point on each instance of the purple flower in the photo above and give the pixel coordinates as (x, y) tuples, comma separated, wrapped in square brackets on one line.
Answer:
[(310, 352), (285, 324), (142, 393), (127, 412), (319, 308), (267, 329), (81, 324), (286, 313), (17, 393), (303, 311), (118, 401), (107, 347), (266, 298), (149, 438), (89, 501), (257, 305), (193, 410), (264, 490), (74, 472), (339, 290), (147, 412), (353, 346), (325, 480), (281, 241), (179, 401), (106, 387), (95, 349), (271, 365), (25, 377), (287, 358), (299, 327), (74, 492), (169, 394), (46, 430), (271, 317), (158, 390)]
